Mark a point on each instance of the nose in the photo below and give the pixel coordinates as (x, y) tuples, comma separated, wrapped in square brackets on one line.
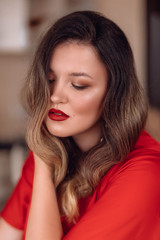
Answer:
[(58, 94)]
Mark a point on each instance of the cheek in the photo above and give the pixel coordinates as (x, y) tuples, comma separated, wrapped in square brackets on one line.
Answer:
[(90, 104)]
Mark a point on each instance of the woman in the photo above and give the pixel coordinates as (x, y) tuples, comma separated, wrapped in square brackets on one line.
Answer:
[(96, 170)]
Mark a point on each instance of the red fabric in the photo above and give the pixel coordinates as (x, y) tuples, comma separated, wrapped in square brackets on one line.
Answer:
[(16, 210), (125, 204)]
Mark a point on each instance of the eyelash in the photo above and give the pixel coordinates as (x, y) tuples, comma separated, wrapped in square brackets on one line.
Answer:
[(79, 87), (51, 81), (73, 85)]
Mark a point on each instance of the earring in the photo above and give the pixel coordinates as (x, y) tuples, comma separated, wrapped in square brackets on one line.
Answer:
[(101, 139)]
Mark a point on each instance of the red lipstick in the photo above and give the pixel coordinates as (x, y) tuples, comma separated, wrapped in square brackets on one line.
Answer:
[(57, 115)]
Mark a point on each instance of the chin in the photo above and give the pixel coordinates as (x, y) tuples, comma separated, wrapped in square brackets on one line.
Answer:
[(57, 133)]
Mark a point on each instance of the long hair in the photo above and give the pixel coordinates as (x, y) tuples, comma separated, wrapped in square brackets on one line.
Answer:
[(76, 174)]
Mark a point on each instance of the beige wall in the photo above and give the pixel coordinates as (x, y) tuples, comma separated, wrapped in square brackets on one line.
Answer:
[(130, 15), (13, 70)]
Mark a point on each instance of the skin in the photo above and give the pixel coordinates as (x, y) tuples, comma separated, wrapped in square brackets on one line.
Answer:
[(79, 80), (78, 83), (7, 232), (78, 86), (44, 219)]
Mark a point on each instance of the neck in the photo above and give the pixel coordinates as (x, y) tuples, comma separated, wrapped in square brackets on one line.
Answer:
[(86, 141)]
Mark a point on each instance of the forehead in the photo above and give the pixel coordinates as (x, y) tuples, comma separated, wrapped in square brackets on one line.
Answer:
[(76, 54), (75, 46), (79, 61)]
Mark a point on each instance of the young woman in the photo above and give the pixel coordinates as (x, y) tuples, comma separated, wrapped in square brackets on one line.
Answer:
[(93, 172)]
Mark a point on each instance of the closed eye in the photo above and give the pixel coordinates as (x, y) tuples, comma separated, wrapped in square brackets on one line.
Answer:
[(50, 81), (79, 87)]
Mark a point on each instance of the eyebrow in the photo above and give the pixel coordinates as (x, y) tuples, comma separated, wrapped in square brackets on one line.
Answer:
[(75, 74), (80, 74), (50, 70)]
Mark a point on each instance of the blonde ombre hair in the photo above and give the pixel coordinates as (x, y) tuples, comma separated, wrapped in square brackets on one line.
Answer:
[(76, 174)]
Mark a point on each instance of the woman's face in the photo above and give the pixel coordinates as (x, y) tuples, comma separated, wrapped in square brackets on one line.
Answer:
[(78, 83)]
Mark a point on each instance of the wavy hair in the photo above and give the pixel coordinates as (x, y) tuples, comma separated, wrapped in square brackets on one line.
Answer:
[(76, 174)]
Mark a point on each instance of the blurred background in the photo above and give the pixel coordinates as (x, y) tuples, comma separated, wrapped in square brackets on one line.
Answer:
[(23, 22)]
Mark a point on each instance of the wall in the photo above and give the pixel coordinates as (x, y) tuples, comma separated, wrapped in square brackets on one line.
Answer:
[(13, 70), (130, 15)]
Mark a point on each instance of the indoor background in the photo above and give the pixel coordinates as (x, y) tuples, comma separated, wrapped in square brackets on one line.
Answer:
[(22, 23)]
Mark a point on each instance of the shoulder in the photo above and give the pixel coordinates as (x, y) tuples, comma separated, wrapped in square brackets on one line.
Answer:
[(145, 155), (140, 169), (145, 146)]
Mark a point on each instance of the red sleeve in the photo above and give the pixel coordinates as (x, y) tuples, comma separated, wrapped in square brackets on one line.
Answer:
[(128, 207), (16, 210)]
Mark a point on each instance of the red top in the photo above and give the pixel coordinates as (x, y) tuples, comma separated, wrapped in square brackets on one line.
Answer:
[(125, 204)]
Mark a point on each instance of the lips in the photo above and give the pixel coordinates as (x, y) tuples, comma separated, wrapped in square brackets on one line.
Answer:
[(57, 115)]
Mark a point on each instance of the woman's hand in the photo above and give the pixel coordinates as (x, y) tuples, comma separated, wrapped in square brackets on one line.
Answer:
[(44, 218), (40, 165)]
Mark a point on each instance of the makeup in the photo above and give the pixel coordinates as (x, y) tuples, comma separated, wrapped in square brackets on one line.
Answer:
[(57, 115), (79, 88)]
